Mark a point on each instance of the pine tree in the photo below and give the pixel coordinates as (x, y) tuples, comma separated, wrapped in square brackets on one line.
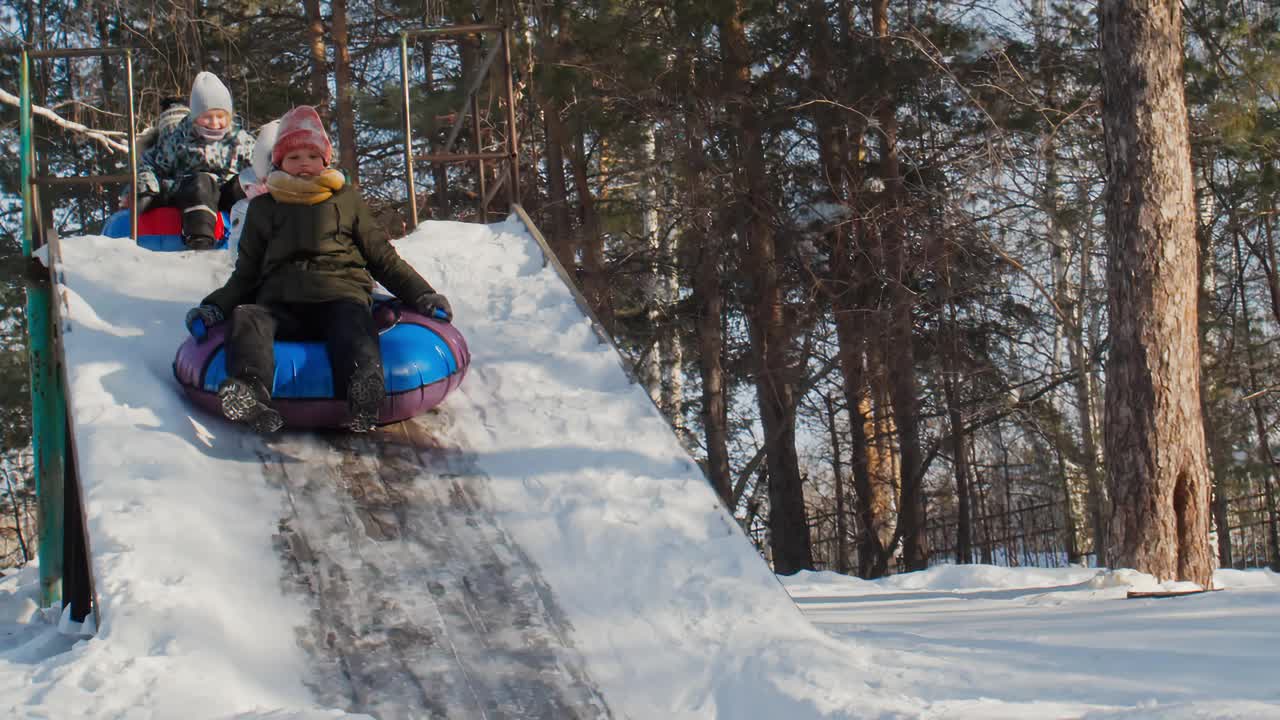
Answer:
[(1155, 448)]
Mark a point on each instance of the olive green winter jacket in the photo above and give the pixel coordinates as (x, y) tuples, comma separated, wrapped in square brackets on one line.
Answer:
[(333, 250)]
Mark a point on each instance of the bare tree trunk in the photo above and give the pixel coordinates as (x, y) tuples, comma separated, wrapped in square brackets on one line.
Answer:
[(869, 503), (442, 207), (1217, 446), (346, 91), (106, 38), (788, 523), (715, 416), (1085, 403), (557, 140), (319, 59), (837, 474), (846, 290), (900, 335), (1155, 449), (1266, 458), (1066, 334), (702, 234), (595, 283), (557, 192), (964, 531), (655, 300)]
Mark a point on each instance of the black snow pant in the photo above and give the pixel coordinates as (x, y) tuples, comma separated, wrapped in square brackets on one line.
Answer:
[(200, 197), (346, 327)]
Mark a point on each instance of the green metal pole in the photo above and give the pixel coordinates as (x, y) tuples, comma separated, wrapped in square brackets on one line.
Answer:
[(48, 409), (24, 136)]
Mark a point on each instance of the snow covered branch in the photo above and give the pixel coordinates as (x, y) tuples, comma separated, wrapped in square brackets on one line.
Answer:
[(70, 125)]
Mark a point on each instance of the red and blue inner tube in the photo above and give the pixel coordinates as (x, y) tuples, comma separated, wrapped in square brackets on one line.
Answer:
[(160, 229), (423, 360)]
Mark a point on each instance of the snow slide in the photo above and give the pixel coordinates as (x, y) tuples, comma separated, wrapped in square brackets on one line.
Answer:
[(538, 547)]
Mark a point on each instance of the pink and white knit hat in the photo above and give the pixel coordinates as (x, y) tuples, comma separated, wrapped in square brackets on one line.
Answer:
[(301, 128)]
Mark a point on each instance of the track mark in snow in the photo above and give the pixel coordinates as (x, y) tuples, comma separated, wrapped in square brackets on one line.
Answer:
[(422, 606)]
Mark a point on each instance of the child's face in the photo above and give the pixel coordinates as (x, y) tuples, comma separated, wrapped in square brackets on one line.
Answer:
[(214, 119), (303, 162)]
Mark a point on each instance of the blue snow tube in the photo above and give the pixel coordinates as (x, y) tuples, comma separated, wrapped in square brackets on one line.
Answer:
[(423, 360)]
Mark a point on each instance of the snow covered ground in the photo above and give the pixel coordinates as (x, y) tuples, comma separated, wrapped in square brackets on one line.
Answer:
[(672, 611), (990, 642)]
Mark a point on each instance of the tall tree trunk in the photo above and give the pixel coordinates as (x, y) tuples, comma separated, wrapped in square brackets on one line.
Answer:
[(883, 462), (1065, 331), (900, 335), (595, 283), (964, 531), (442, 207), (715, 417), (1266, 458), (841, 564), (1155, 449), (869, 499), (107, 38), (846, 291), (655, 300), (342, 82), (788, 523), (703, 235), (1085, 403), (319, 59), (557, 139), (1217, 446), (557, 191)]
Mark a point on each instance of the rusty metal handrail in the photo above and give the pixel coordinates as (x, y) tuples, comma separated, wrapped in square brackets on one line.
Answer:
[(132, 177), (510, 154)]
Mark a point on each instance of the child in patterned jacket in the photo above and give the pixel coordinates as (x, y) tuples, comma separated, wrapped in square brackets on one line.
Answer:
[(195, 165)]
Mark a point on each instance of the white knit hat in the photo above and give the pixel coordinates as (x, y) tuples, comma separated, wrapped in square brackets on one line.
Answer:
[(262, 149), (208, 93)]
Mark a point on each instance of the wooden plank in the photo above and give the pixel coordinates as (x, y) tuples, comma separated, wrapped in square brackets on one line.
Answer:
[(421, 605)]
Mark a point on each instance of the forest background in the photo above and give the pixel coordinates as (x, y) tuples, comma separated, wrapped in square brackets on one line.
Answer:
[(855, 250)]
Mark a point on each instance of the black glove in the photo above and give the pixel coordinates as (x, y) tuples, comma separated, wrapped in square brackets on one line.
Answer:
[(434, 305), (200, 319)]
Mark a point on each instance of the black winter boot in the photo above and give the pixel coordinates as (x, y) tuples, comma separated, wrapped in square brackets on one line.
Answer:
[(364, 400), (249, 402)]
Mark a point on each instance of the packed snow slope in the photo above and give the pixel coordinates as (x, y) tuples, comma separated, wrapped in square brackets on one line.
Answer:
[(673, 612)]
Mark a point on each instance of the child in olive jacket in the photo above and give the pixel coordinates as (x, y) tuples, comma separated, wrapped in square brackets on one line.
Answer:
[(309, 254)]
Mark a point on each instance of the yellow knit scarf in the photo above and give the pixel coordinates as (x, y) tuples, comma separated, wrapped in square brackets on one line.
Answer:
[(296, 190)]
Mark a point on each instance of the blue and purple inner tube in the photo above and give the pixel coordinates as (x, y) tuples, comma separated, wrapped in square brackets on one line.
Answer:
[(160, 229), (423, 360)]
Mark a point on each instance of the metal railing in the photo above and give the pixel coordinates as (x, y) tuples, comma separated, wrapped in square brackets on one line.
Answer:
[(501, 47), (62, 548)]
